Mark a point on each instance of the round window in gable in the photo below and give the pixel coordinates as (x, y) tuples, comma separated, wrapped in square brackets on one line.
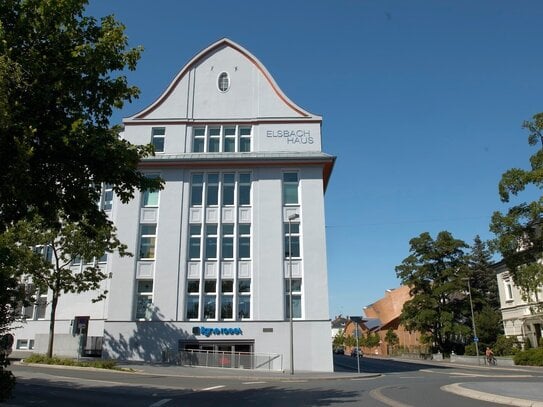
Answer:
[(224, 82)]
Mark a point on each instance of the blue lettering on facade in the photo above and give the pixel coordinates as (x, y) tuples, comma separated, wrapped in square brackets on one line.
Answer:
[(207, 332)]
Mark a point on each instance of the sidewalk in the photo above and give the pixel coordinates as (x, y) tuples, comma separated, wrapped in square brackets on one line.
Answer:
[(225, 373)]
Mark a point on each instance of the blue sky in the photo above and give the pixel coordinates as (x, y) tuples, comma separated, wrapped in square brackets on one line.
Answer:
[(422, 103)]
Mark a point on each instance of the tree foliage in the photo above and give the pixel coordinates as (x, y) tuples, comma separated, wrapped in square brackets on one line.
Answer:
[(61, 76), (518, 232), (66, 242), (484, 284), (434, 272)]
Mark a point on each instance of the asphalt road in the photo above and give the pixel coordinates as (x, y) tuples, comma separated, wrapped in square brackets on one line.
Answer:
[(400, 385)]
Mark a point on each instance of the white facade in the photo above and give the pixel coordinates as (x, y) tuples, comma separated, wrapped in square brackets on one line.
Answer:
[(211, 255), (522, 320)]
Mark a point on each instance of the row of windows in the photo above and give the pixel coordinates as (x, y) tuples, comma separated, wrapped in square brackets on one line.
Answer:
[(213, 304), (218, 305), (225, 239), (210, 139), (213, 188)]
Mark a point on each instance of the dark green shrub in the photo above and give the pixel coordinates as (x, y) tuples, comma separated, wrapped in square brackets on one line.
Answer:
[(529, 357), (7, 383), (506, 346), (55, 360)]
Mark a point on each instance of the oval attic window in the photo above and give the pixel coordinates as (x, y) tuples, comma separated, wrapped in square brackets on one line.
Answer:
[(224, 82)]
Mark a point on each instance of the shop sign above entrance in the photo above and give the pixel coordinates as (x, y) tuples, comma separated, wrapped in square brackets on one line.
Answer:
[(202, 330)]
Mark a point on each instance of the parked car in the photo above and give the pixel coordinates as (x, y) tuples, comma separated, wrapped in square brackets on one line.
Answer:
[(339, 350), (356, 352)]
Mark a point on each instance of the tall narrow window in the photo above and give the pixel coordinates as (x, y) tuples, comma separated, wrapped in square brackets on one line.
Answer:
[(211, 242), (229, 139), (227, 241), (290, 188), (244, 139), (244, 298), (41, 306), (147, 242), (244, 241), (244, 189), (210, 299), (196, 189), (296, 298), (227, 299), (292, 240), (212, 189), (107, 197), (150, 196), (195, 232), (214, 140), (157, 138), (193, 298), (144, 299), (198, 139), (228, 188)]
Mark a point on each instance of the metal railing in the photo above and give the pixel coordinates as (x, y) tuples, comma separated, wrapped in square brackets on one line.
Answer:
[(225, 359)]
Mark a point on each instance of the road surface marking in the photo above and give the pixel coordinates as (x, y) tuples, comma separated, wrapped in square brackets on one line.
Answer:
[(377, 395), (253, 382), (212, 388), (160, 403)]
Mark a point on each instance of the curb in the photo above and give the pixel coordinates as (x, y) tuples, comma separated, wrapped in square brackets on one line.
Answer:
[(457, 388)]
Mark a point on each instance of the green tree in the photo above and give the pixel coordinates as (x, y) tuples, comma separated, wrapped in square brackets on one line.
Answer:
[(484, 285), (69, 240), (60, 78), (489, 325), (372, 340), (518, 232), (434, 272), (392, 340), (339, 338)]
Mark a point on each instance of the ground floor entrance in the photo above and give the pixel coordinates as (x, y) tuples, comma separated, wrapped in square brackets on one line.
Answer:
[(232, 354)]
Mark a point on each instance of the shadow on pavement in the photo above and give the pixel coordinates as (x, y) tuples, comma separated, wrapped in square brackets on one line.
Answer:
[(344, 363)]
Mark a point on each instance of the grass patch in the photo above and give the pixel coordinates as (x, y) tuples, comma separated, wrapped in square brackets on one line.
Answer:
[(55, 360)]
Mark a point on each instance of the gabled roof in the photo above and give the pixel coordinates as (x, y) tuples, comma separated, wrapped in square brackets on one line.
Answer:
[(213, 48)]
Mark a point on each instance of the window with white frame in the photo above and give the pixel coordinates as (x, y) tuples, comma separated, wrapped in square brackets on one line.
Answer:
[(227, 299), (290, 188), (227, 241), (244, 241), (292, 239), (296, 298), (245, 139), (144, 300), (147, 241), (41, 306), (244, 298), (198, 139), (222, 139), (195, 237), (508, 290), (196, 189), (244, 189), (211, 241), (107, 197), (228, 188), (150, 196), (212, 190), (193, 299), (157, 138), (210, 299)]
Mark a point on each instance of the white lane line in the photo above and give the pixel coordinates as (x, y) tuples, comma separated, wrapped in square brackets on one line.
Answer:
[(377, 394), (253, 382), (212, 388), (160, 403)]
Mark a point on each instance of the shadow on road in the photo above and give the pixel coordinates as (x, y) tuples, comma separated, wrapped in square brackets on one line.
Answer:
[(344, 363)]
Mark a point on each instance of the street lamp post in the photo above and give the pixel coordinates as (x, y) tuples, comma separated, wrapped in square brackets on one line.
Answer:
[(290, 219), (357, 320), (475, 339)]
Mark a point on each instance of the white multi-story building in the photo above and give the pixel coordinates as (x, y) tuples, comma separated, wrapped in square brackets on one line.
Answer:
[(522, 320), (212, 258)]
